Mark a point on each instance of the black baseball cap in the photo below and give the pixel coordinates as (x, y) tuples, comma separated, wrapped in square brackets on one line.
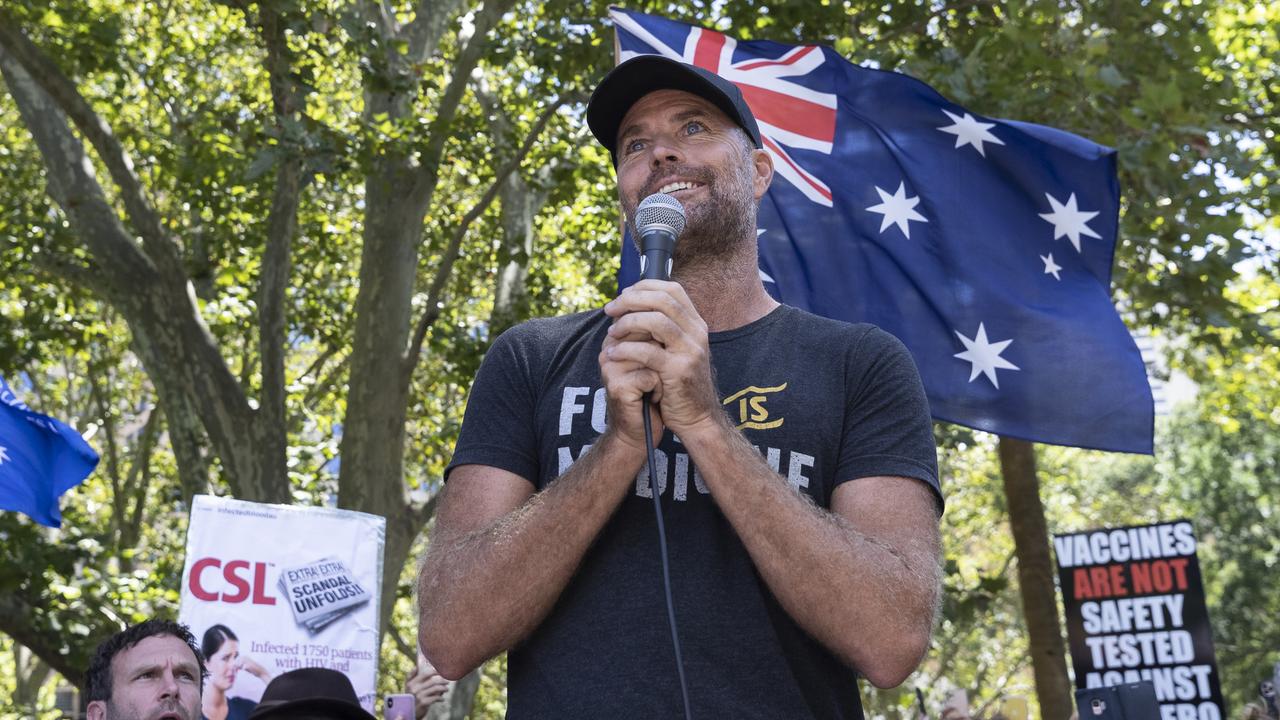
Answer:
[(643, 74)]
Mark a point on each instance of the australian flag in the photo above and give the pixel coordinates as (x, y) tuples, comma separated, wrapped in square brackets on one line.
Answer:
[(985, 245), (40, 459)]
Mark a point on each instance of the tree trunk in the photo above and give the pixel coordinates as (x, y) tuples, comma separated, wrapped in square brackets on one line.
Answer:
[(1035, 578), (518, 207), (30, 674)]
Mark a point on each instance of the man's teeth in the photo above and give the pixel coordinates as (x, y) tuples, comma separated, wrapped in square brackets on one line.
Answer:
[(672, 187)]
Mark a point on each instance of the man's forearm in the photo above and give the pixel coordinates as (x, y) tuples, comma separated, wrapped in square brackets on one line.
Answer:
[(483, 590), (865, 589)]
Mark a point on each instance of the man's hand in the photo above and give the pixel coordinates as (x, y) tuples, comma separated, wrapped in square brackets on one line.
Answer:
[(658, 343), (427, 686)]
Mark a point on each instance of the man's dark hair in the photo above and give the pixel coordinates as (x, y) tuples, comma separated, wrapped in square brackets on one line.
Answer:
[(98, 678)]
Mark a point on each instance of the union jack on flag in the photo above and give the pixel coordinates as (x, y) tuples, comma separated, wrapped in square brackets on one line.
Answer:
[(985, 245), (789, 114)]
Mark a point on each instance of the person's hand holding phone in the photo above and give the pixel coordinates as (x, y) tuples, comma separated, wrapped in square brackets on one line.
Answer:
[(426, 686)]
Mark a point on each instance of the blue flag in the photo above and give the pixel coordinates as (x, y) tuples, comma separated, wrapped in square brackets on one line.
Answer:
[(40, 459), (984, 245)]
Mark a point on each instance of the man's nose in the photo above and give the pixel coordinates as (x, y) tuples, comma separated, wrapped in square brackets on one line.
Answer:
[(665, 150), (168, 684)]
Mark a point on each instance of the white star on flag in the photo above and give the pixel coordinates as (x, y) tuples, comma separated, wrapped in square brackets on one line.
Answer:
[(1051, 267), (969, 131), (1069, 220), (4, 455), (897, 209), (984, 355)]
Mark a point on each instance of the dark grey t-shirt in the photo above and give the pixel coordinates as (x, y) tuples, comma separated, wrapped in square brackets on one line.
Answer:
[(824, 401)]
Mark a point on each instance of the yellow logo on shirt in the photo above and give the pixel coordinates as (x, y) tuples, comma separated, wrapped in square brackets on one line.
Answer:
[(750, 403)]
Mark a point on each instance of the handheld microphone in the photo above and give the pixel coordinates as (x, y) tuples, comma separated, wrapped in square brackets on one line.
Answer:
[(659, 220)]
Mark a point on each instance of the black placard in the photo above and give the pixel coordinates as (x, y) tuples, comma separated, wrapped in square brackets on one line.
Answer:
[(1135, 611)]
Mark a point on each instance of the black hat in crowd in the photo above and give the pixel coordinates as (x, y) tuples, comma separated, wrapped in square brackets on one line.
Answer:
[(643, 74), (315, 690)]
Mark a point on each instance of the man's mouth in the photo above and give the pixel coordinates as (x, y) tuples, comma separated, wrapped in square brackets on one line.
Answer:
[(674, 187)]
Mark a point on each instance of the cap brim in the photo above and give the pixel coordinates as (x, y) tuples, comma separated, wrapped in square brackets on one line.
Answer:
[(641, 75)]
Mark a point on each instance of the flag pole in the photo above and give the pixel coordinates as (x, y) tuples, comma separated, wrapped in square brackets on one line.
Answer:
[(1035, 577)]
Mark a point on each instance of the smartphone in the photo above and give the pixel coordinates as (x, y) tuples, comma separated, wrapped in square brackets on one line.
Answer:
[(1132, 701), (1100, 703), (397, 707)]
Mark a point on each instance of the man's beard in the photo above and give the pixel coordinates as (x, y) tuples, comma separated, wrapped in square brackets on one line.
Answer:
[(719, 225)]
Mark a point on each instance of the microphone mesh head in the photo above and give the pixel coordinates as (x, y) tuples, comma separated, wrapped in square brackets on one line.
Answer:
[(660, 209)]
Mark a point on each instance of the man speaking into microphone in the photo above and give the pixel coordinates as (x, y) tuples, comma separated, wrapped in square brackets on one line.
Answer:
[(795, 467)]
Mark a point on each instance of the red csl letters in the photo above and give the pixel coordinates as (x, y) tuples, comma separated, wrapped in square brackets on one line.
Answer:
[(233, 573)]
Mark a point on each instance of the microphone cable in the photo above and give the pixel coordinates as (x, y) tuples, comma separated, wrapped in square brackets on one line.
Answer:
[(662, 551)]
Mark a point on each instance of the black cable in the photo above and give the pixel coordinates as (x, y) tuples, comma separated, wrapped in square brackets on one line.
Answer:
[(662, 550)]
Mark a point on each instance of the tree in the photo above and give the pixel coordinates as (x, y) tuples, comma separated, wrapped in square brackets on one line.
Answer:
[(258, 366)]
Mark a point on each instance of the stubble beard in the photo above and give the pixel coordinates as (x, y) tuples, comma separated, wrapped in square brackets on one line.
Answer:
[(719, 227)]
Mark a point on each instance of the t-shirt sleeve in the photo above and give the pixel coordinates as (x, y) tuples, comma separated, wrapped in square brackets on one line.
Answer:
[(498, 426), (887, 427)]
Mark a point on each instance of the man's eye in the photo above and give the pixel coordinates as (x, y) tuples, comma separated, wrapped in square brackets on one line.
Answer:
[(185, 675), (634, 146), (694, 127)]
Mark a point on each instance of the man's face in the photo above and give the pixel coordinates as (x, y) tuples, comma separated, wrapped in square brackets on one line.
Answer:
[(157, 679), (677, 142)]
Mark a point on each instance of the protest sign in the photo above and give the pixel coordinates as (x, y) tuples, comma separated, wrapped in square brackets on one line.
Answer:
[(1135, 611), (272, 588)]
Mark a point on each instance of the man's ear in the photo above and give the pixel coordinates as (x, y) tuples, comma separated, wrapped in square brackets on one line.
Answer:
[(762, 165), (97, 710)]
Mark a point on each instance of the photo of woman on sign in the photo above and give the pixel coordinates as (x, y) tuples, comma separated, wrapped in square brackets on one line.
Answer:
[(221, 650)]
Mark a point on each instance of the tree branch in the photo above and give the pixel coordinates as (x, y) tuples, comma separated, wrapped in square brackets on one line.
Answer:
[(168, 333), (437, 133), (113, 453), (432, 311), (430, 17), (139, 479), (400, 643), (51, 79), (74, 272), (72, 183), (187, 438), (328, 381), (15, 621), (282, 223)]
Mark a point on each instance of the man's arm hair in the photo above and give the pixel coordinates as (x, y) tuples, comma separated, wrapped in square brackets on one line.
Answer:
[(500, 555), (863, 578)]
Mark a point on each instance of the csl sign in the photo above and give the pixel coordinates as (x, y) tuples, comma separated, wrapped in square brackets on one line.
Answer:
[(234, 581)]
